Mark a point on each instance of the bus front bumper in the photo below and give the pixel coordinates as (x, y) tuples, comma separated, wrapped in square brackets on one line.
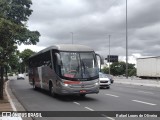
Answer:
[(70, 91)]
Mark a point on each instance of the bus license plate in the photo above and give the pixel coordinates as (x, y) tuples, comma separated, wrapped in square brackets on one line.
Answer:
[(83, 91)]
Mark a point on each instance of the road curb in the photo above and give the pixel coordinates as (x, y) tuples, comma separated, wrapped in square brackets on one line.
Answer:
[(9, 97), (8, 93), (17, 106)]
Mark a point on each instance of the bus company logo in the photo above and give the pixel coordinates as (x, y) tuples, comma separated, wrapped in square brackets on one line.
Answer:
[(21, 114), (6, 114)]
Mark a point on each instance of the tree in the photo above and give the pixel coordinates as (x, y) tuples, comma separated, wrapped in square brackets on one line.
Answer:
[(119, 68), (105, 70), (132, 72), (24, 55), (14, 62), (13, 30)]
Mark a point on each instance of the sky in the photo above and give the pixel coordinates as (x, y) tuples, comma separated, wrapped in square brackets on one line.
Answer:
[(92, 21)]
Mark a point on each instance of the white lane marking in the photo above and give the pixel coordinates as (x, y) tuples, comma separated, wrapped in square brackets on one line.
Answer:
[(89, 108), (112, 95), (107, 117), (143, 102), (146, 92), (76, 103)]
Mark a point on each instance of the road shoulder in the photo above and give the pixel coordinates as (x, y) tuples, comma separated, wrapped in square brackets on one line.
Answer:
[(139, 82), (13, 103), (5, 104)]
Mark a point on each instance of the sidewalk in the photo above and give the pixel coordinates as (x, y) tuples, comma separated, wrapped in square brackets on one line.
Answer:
[(7, 105), (138, 81)]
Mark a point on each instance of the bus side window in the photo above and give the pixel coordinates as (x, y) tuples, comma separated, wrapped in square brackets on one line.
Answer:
[(48, 63), (46, 59)]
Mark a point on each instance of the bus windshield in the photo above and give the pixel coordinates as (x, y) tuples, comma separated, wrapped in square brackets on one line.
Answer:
[(79, 65)]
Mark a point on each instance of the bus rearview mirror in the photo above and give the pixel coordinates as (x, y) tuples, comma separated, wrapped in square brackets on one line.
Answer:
[(100, 61), (58, 59)]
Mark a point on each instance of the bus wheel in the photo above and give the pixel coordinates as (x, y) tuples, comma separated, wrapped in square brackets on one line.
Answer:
[(82, 95), (51, 91)]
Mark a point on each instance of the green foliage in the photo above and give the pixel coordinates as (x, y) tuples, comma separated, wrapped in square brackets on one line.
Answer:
[(13, 17), (24, 55), (23, 60), (10, 74), (119, 68), (105, 70), (132, 72), (3, 8), (13, 30), (14, 62), (19, 10)]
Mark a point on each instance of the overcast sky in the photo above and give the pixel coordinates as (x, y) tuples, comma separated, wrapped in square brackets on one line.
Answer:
[(92, 21)]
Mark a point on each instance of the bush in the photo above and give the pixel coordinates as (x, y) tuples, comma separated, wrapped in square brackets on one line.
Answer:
[(10, 74), (132, 72), (105, 70)]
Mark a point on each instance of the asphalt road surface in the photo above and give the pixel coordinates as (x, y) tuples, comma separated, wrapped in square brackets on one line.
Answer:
[(119, 97)]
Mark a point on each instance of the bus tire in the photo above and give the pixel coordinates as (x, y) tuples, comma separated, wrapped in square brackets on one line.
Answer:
[(82, 95), (51, 91)]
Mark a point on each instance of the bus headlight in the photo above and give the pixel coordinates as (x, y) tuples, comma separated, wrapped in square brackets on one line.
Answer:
[(66, 85), (96, 83)]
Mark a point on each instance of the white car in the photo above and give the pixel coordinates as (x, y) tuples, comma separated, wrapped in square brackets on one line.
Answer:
[(20, 76), (104, 81)]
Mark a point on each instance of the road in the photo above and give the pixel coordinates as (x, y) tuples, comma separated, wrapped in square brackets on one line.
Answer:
[(118, 98)]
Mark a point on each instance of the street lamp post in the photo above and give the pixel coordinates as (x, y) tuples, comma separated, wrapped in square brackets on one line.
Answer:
[(109, 53), (126, 43), (72, 37)]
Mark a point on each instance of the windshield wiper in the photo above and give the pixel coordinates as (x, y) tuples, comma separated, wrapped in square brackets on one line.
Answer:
[(85, 73)]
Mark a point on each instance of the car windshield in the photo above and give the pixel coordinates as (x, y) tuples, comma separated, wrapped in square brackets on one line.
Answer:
[(109, 76), (101, 75), (77, 65), (20, 75)]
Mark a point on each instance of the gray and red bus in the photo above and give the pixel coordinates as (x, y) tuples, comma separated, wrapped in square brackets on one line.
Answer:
[(65, 69)]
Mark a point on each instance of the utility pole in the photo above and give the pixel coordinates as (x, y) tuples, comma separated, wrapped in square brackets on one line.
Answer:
[(109, 54), (126, 43)]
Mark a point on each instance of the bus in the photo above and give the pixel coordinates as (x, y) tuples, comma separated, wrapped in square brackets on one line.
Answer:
[(65, 69)]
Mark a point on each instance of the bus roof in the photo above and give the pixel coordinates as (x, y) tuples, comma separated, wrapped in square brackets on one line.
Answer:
[(73, 47), (66, 47)]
